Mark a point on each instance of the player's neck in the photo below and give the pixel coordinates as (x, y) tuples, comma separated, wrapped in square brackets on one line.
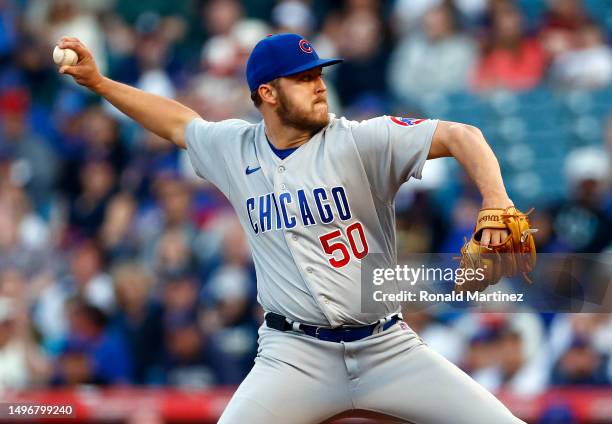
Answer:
[(285, 137)]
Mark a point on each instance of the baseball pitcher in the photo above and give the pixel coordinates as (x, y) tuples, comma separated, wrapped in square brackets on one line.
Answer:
[(315, 195)]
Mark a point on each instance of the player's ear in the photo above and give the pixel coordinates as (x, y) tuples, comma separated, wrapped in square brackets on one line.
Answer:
[(268, 93)]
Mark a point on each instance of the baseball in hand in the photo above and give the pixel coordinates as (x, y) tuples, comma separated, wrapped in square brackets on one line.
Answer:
[(65, 57)]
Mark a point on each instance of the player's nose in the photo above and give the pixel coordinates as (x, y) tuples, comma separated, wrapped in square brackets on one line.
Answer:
[(321, 87)]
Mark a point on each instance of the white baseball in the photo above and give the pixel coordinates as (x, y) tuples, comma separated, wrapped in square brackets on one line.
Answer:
[(64, 57)]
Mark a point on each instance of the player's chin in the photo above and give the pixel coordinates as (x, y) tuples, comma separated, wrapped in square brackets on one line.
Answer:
[(321, 111), (323, 118)]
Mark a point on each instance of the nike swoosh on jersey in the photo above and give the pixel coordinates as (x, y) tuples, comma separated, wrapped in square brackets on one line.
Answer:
[(250, 170)]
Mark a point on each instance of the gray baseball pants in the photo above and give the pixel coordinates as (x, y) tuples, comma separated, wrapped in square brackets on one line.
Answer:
[(299, 379)]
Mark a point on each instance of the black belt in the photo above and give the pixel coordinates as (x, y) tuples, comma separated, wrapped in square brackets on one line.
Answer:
[(339, 334)]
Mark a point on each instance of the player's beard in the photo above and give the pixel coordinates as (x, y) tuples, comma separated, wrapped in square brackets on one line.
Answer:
[(293, 115)]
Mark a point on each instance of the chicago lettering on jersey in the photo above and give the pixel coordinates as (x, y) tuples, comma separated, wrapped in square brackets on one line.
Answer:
[(319, 206)]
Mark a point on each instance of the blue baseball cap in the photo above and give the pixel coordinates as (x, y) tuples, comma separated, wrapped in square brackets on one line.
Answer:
[(282, 55)]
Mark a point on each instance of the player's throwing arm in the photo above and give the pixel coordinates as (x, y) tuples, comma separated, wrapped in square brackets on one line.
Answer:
[(164, 117)]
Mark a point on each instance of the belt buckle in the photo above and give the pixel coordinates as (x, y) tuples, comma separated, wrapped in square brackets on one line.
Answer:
[(324, 337), (346, 333)]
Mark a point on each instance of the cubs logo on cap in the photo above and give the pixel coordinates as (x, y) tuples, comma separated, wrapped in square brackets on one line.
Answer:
[(405, 122), (305, 46)]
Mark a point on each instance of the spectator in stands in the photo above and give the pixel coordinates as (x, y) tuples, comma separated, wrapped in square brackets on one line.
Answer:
[(139, 321), (92, 352), (87, 279), (179, 296), (174, 255), (361, 42), (580, 348), (587, 171), (479, 358), (170, 223), (581, 364), (522, 362), (101, 138), (419, 228), (34, 165), (13, 369), (186, 362), (152, 159), (223, 59), (153, 57), (175, 198), (222, 15), (246, 33), (117, 234), (407, 15), (97, 179), (32, 230), (436, 59), (16, 250), (588, 65), (506, 351), (511, 357), (561, 26), (22, 362), (293, 16), (509, 60), (185, 359)]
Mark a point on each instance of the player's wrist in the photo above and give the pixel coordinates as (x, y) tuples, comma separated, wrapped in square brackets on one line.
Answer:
[(500, 201), (97, 84)]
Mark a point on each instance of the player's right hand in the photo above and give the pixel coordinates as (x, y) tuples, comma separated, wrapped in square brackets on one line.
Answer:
[(85, 72)]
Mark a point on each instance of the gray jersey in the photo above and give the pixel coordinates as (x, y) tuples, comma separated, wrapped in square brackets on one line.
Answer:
[(313, 217)]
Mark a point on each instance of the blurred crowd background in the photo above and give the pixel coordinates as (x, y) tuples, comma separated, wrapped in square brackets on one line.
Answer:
[(118, 266)]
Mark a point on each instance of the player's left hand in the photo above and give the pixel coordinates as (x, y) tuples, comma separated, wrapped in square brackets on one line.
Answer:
[(502, 244), (492, 236)]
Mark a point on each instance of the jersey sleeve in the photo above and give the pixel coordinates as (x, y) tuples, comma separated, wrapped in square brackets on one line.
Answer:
[(392, 150), (208, 144)]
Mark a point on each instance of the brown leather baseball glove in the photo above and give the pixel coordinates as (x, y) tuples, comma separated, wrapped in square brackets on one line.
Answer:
[(516, 254)]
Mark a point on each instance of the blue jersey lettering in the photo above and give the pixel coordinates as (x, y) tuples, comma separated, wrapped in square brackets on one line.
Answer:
[(307, 218), (262, 208), (290, 221), (325, 211), (344, 211), (265, 213), (250, 204)]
